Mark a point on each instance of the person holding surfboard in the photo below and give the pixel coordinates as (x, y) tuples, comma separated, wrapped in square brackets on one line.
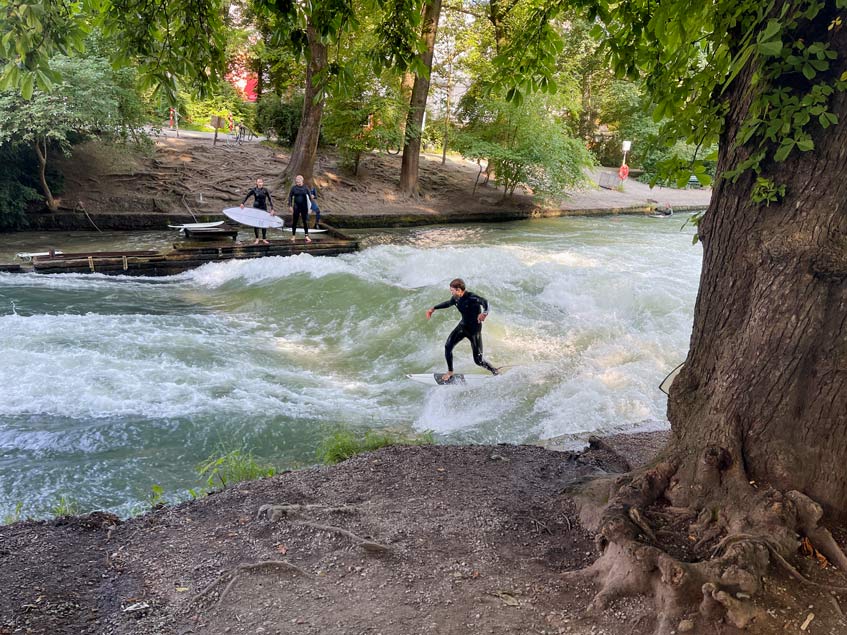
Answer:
[(299, 201), (261, 200), (474, 310), (313, 193)]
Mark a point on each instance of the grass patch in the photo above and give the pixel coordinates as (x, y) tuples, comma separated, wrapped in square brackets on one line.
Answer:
[(15, 516), (65, 506), (345, 443), (234, 466)]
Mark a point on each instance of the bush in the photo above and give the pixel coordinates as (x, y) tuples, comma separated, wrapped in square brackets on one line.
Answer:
[(345, 443), (18, 186), (230, 467), (279, 118)]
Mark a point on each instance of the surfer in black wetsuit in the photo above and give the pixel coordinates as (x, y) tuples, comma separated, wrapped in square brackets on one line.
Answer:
[(474, 310), (261, 200), (299, 201)]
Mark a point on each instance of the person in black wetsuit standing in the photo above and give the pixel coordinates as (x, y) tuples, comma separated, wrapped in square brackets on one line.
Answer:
[(474, 310), (261, 200), (299, 201)]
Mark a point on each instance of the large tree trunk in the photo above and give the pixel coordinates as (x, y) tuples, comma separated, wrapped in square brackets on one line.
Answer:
[(417, 105), (305, 149), (41, 152), (759, 412), (766, 373)]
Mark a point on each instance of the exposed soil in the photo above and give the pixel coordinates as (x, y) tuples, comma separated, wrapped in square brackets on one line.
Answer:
[(129, 189), (439, 539)]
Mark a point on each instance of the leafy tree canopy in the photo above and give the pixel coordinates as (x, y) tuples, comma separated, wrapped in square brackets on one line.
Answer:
[(164, 40), (691, 57)]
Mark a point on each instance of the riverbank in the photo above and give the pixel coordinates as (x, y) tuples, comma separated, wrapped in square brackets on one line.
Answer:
[(186, 178), (411, 540)]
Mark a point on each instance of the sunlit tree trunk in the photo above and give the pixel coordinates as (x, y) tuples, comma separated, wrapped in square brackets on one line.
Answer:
[(417, 105), (304, 152)]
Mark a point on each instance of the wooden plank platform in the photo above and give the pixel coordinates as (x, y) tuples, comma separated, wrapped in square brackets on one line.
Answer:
[(184, 256), (211, 233)]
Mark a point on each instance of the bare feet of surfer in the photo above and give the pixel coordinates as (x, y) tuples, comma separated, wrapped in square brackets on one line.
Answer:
[(308, 240), (293, 238), (447, 376), (257, 241), (265, 242)]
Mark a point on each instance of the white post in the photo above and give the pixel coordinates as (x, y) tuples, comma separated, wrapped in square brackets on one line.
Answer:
[(626, 146)]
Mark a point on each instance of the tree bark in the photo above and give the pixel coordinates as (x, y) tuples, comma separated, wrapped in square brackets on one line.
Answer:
[(52, 205), (766, 373), (305, 149), (417, 104)]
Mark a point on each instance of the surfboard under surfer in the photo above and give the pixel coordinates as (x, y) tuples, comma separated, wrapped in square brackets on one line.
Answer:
[(474, 310), (261, 200)]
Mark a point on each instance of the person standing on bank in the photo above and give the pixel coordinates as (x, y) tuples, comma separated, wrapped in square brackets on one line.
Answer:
[(299, 201), (261, 200), (474, 310), (313, 193)]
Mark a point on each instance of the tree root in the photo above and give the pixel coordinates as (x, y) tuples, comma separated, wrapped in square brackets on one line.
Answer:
[(754, 527), (275, 512), (292, 513), (233, 574), (368, 545)]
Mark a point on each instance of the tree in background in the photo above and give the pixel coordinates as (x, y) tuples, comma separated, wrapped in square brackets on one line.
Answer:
[(84, 104), (522, 144), (759, 411), (417, 104)]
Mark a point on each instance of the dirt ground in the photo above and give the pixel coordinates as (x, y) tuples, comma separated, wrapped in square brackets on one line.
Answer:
[(184, 176), (413, 540)]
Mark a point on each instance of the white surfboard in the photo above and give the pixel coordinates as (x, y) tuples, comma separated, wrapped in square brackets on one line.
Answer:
[(665, 386), (434, 379), (311, 231), (29, 255), (197, 225), (253, 217)]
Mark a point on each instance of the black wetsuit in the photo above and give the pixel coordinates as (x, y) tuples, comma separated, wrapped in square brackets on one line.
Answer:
[(298, 199), (470, 306), (315, 208), (261, 199)]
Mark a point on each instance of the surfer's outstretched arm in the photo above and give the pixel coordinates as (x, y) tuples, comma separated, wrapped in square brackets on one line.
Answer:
[(444, 305)]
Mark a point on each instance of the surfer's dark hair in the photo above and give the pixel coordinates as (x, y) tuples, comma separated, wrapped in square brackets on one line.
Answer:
[(458, 283)]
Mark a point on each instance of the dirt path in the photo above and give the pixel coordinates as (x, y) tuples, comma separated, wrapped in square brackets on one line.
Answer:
[(439, 539)]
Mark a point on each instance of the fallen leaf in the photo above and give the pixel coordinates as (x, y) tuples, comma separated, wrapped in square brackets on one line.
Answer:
[(282, 549), (181, 589), (507, 598)]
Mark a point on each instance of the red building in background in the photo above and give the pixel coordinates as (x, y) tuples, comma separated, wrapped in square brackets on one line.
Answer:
[(245, 82)]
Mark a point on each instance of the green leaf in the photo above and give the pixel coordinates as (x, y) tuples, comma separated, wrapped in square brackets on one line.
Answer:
[(804, 145), (808, 71), (784, 150), (770, 49), (773, 28), (27, 86)]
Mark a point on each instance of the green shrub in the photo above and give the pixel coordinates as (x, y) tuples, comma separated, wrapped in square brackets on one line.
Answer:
[(230, 467), (344, 443), (278, 118), (18, 186)]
